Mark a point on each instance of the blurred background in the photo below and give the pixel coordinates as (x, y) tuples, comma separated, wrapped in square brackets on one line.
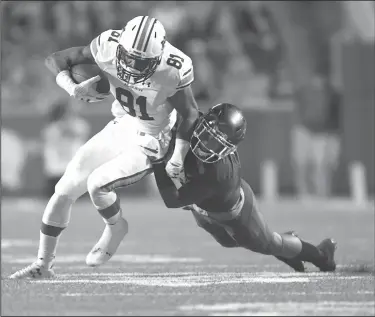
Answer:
[(302, 71)]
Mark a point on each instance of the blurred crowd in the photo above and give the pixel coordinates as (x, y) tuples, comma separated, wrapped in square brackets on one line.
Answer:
[(250, 53), (236, 46), (228, 42)]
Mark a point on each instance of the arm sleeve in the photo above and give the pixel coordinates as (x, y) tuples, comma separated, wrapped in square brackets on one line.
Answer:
[(94, 46), (186, 74), (103, 47), (190, 193)]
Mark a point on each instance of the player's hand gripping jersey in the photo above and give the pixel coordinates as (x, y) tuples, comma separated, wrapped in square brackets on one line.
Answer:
[(146, 101)]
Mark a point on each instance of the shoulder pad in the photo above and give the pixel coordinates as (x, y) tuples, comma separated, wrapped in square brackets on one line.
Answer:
[(104, 46), (181, 64)]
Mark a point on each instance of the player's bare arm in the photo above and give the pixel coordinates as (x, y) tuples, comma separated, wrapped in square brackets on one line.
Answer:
[(63, 60), (184, 102), (59, 64), (187, 194)]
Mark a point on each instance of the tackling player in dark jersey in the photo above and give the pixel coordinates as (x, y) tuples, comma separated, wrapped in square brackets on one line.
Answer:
[(223, 203)]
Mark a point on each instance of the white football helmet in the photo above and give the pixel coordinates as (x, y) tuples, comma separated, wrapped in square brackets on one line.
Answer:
[(140, 49)]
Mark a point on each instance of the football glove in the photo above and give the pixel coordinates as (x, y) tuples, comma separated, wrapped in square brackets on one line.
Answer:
[(175, 170), (175, 166), (81, 91)]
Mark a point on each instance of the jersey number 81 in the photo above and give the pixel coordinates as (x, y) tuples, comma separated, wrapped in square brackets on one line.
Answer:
[(129, 104), (174, 61)]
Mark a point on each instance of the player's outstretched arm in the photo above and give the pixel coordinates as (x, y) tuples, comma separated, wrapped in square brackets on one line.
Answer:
[(184, 102), (60, 62), (188, 194), (63, 60)]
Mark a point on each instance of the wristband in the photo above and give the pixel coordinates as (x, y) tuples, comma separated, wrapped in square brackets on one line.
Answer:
[(180, 150), (64, 80)]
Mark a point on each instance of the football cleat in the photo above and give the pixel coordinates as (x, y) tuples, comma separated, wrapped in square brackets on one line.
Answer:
[(328, 247), (108, 243), (295, 264), (34, 271)]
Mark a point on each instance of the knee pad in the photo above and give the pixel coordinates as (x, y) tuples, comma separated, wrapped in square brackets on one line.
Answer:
[(285, 245), (275, 246), (100, 196)]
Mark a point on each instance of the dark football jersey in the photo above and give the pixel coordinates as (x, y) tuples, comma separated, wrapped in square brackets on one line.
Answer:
[(221, 180)]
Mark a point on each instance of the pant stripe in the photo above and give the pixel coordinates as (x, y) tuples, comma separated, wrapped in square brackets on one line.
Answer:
[(126, 181)]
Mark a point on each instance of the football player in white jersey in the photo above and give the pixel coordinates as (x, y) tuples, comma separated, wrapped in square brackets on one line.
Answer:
[(150, 81)]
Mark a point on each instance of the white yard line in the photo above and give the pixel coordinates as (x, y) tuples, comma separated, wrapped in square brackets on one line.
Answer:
[(188, 293), (176, 283), (283, 308), (127, 258), (193, 279), (214, 275), (10, 243)]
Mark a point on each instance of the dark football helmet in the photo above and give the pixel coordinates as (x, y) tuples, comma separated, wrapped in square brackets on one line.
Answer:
[(218, 132)]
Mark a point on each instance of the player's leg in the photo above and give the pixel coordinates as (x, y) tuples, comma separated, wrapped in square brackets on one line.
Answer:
[(124, 170), (216, 230), (251, 232), (128, 168), (71, 186)]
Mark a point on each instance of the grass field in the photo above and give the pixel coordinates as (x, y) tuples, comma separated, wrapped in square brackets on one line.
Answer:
[(168, 266)]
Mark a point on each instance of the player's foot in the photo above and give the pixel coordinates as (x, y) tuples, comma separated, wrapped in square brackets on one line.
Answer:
[(295, 264), (328, 247), (108, 243), (34, 271)]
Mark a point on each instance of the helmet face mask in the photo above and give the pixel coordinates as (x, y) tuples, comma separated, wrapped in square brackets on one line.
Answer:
[(132, 68), (140, 49), (209, 144), (218, 133)]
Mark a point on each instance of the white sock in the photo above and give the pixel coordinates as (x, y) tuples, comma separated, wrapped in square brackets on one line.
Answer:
[(56, 213), (47, 248)]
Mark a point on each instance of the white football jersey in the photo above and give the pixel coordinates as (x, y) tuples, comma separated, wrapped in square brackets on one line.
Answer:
[(145, 102)]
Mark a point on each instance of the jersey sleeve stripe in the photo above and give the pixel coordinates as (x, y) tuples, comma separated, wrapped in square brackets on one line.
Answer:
[(94, 47), (99, 40), (184, 86), (186, 80), (187, 72)]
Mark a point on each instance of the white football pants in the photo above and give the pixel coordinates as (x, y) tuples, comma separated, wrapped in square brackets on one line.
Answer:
[(114, 157)]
